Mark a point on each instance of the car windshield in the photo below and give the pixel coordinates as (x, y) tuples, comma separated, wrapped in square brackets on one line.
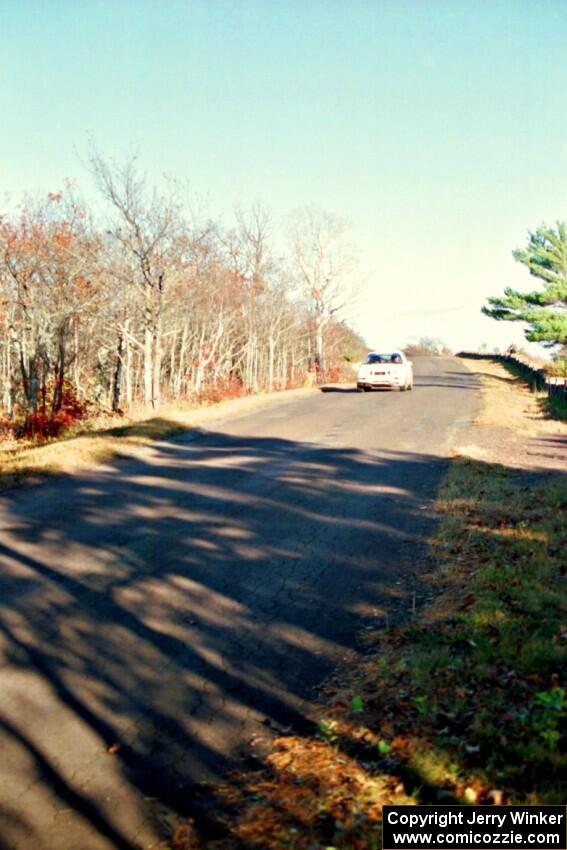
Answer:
[(383, 358)]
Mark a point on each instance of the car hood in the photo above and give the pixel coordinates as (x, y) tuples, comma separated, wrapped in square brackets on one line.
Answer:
[(387, 368)]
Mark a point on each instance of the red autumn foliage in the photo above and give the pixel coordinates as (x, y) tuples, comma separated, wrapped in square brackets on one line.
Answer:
[(221, 390), (44, 424), (333, 375)]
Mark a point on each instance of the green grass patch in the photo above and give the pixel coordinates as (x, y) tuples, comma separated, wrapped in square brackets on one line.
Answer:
[(555, 406), (481, 673)]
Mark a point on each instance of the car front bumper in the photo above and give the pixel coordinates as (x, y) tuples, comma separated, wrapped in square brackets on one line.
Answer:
[(377, 383)]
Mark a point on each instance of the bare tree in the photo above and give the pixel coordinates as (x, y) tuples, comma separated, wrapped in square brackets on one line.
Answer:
[(49, 286), (323, 264), (152, 300), (146, 226)]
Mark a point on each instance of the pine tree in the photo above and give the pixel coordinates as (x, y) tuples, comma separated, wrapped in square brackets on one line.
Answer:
[(544, 311)]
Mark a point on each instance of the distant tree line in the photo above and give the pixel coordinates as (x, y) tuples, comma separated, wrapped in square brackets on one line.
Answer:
[(152, 302), (427, 345)]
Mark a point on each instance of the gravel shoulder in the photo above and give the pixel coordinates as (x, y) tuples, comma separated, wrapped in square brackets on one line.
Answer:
[(511, 427)]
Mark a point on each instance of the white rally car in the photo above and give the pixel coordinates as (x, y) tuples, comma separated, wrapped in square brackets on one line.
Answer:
[(385, 371)]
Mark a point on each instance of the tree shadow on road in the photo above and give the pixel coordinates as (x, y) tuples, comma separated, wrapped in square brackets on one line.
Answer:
[(158, 613), (449, 380)]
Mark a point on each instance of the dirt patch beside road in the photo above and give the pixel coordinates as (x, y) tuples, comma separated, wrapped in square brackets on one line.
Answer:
[(511, 427)]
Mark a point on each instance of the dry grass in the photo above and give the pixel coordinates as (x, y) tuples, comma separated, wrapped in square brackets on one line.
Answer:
[(311, 795), (509, 402), (99, 441)]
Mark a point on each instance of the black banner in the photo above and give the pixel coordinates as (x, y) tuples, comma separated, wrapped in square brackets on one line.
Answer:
[(479, 827)]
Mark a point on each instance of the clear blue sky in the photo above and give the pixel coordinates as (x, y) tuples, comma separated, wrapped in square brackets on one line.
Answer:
[(437, 127)]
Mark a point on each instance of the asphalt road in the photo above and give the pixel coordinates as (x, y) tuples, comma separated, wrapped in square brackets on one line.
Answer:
[(158, 614)]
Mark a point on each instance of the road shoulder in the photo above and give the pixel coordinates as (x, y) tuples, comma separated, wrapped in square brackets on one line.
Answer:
[(126, 437)]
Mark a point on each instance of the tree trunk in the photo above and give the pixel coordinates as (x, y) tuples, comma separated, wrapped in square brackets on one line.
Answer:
[(271, 352), (128, 376), (148, 366), (319, 343), (181, 362), (118, 368), (7, 401), (156, 377), (59, 371)]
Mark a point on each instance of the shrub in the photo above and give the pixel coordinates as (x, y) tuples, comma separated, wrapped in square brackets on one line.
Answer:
[(221, 390), (44, 425), (559, 367)]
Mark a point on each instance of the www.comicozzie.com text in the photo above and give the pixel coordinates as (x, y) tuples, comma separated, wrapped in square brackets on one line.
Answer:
[(474, 818)]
